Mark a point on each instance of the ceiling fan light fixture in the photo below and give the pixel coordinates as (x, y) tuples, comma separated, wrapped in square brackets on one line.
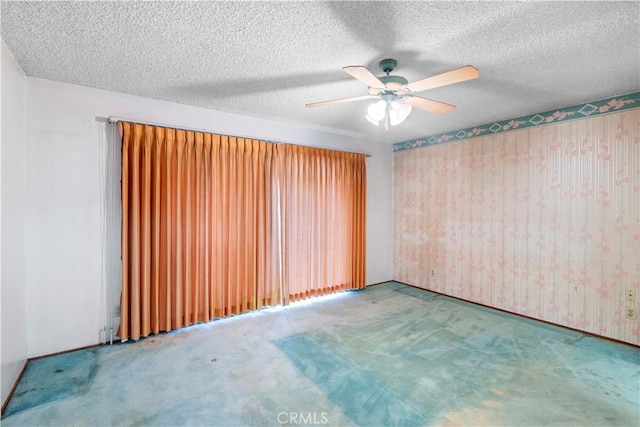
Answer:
[(376, 112), (390, 110), (398, 111)]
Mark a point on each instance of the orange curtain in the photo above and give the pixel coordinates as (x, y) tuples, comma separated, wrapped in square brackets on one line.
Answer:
[(196, 224), (323, 221), (215, 225)]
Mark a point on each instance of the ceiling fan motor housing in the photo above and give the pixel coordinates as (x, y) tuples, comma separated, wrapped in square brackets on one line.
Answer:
[(391, 83)]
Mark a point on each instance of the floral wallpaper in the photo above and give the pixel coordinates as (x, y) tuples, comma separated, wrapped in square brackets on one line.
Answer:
[(542, 221)]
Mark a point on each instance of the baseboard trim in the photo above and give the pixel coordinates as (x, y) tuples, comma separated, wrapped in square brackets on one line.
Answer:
[(521, 315), (86, 347), (381, 283), (13, 388)]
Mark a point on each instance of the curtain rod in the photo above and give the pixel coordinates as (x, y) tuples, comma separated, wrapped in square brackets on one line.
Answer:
[(113, 119)]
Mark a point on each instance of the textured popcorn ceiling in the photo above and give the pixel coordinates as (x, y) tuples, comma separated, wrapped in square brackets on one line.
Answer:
[(269, 59)]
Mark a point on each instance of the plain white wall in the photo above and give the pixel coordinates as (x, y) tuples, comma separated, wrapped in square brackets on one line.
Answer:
[(379, 215), (73, 276), (14, 312)]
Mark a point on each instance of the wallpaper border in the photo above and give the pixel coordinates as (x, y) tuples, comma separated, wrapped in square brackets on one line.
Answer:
[(579, 111)]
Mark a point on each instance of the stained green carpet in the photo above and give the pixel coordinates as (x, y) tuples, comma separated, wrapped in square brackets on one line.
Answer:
[(53, 378), (388, 355)]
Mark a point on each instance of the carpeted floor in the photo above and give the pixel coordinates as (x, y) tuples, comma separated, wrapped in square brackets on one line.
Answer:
[(387, 355)]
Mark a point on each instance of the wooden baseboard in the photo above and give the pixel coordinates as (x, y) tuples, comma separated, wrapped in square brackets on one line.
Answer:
[(381, 283), (65, 351), (13, 388), (521, 315)]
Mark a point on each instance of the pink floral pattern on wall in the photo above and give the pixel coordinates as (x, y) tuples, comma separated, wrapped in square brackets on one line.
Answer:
[(543, 221)]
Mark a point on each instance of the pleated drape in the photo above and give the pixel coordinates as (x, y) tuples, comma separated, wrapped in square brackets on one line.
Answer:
[(196, 220), (215, 225), (323, 221)]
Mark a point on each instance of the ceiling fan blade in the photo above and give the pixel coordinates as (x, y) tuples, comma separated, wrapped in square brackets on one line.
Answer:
[(338, 101), (462, 74), (365, 76), (429, 105)]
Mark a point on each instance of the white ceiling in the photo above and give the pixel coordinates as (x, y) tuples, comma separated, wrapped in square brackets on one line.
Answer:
[(267, 59)]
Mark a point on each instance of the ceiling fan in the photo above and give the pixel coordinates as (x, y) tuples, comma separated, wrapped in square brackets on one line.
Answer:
[(396, 96)]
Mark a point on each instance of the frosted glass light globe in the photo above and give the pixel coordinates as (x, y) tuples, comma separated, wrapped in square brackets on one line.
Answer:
[(398, 111), (376, 111)]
